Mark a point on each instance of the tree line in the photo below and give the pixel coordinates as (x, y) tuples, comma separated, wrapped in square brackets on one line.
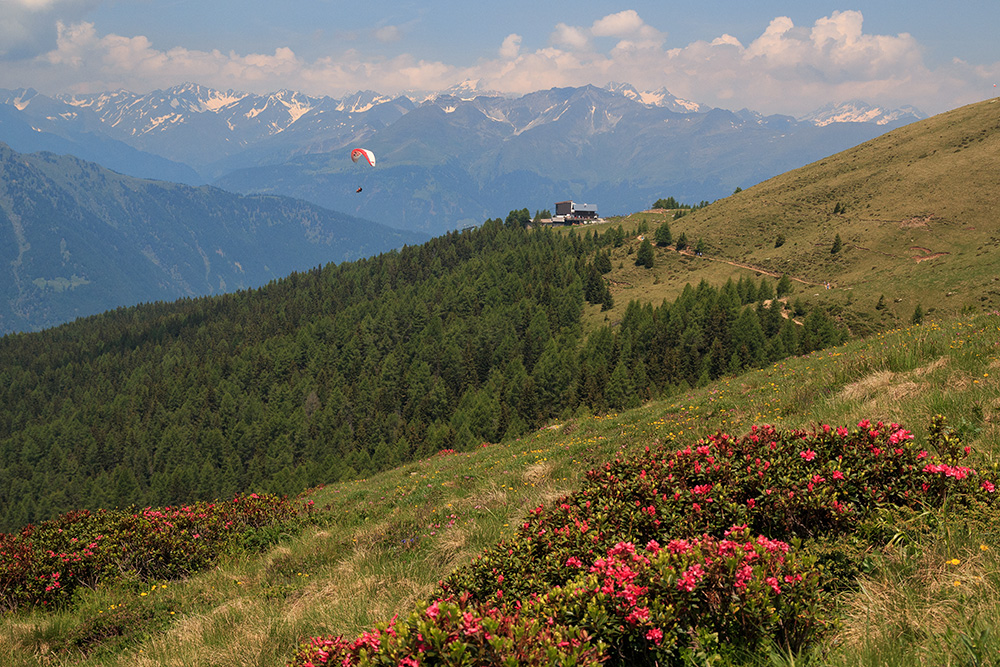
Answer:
[(348, 369)]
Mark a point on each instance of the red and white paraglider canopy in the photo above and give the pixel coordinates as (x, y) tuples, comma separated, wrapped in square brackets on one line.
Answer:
[(359, 153)]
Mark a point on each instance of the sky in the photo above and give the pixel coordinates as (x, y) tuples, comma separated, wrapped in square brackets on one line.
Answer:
[(770, 56)]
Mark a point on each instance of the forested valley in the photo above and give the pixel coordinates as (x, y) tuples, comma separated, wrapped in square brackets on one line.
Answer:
[(348, 369)]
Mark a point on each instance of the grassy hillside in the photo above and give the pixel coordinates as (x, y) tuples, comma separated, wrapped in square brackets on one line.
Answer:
[(920, 224), (384, 542)]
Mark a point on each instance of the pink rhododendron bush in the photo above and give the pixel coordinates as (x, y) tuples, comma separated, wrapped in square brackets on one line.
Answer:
[(719, 547), (44, 564)]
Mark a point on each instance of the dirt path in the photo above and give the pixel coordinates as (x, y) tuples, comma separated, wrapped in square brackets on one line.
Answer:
[(933, 255), (751, 267)]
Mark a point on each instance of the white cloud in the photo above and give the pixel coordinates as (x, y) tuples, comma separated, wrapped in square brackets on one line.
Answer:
[(786, 69), (570, 37), (627, 26), (511, 47), (28, 27), (621, 24), (388, 33), (114, 60)]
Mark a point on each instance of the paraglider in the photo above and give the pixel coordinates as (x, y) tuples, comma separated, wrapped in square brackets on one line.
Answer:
[(358, 154)]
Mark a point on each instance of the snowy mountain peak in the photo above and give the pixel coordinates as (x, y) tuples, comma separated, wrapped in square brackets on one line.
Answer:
[(859, 111), (361, 101), (661, 97), (470, 90), (19, 98)]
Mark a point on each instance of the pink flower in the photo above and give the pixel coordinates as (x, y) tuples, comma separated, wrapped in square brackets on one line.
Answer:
[(899, 436), (678, 546), (637, 615), (433, 610), (987, 486), (743, 576), (808, 455), (690, 578), (773, 583), (838, 475), (655, 635)]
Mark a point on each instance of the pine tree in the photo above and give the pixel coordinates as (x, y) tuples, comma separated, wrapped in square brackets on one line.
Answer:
[(645, 257), (663, 235), (620, 391), (602, 262), (784, 287), (764, 292), (837, 245)]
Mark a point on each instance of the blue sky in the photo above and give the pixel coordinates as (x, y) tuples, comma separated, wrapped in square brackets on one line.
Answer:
[(773, 56)]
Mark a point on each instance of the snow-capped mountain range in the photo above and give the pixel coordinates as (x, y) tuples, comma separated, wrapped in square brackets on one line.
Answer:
[(240, 119), (858, 111), (447, 158)]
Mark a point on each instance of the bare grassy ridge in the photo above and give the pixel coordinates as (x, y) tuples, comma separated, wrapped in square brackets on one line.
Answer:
[(921, 224), (388, 540)]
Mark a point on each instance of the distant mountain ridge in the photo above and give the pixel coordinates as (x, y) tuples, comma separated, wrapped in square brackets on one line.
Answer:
[(858, 111), (77, 239), (456, 157), (52, 125), (198, 125)]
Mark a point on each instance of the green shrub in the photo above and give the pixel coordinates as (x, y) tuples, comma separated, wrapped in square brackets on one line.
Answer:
[(457, 633), (44, 564), (745, 539)]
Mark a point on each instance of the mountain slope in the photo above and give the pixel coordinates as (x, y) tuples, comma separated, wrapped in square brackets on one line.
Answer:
[(30, 122), (78, 239), (917, 212)]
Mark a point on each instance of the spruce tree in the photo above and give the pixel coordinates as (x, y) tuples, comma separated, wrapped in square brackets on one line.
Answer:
[(784, 287), (645, 257), (663, 235)]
